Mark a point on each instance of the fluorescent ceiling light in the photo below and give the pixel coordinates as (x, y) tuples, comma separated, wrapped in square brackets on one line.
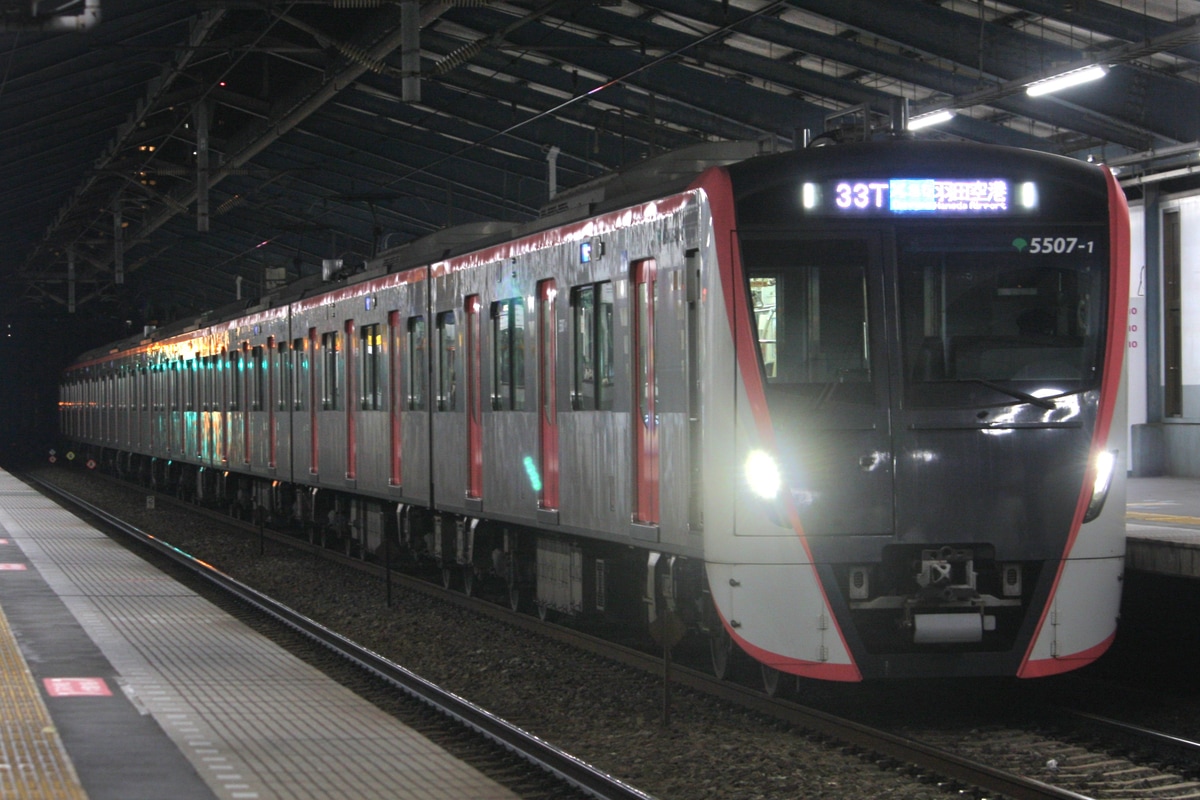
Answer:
[(1066, 80), (932, 118)]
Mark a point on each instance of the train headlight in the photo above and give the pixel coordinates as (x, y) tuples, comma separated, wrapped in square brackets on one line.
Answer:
[(762, 473), (1106, 460)]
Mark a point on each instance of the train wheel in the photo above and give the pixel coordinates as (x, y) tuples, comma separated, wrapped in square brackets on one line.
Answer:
[(447, 578), (776, 683), (468, 580), (721, 650), (543, 611), (514, 598)]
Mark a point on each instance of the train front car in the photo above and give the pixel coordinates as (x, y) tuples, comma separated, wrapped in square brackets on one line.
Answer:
[(929, 341)]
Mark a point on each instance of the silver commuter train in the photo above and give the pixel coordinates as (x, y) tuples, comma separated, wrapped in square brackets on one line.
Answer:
[(854, 410)]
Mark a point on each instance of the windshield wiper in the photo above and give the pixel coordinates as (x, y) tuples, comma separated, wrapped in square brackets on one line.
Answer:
[(1024, 397)]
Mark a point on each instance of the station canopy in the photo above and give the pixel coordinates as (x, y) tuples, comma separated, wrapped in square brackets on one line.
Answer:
[(163, 157)]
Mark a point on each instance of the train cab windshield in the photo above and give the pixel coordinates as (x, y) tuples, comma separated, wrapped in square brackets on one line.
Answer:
[(999, 311), (987, 315), (812, 314)]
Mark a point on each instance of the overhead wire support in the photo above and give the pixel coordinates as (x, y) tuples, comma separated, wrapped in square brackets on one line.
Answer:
[(620, 79)]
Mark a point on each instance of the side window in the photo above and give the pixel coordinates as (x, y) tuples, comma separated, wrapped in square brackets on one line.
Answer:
[(592, 346), (416, 363), (447, 329), (508, 355), (331, 385), (372, 360)]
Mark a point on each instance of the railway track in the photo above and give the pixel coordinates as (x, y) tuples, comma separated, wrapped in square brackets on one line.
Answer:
[(1087, 754), (953, 764), (554, 761)]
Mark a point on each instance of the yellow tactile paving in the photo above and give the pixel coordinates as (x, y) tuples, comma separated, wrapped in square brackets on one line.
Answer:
[(33, 763), (1169, 519)]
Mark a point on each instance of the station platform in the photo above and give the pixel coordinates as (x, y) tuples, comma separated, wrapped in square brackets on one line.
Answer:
[(118, 683), (1163, 526)]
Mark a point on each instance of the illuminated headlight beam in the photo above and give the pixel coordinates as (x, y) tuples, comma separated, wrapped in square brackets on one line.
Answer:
[(762, 474)]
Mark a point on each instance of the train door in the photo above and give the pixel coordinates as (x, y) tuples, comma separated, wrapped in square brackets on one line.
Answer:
[(818, 315), (645, 387)]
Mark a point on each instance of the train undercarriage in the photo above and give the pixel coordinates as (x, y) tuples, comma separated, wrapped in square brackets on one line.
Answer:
[(656, 597)]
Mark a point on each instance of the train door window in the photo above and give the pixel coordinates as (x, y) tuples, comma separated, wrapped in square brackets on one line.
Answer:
[(214, 385), (234, 376), (190, 391), (508, 354), (447, 332), (221, 381), (809, 300), (592, 346), (331, 380), (416, 363), (299, 371), (203, 394), (371, 355), (176, 384), (284, 369), (257, 369)]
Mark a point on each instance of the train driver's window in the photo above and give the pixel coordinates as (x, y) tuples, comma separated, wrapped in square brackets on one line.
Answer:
[(809, 306)]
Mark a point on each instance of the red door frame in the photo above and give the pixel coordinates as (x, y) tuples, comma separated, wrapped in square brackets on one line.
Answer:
[(547, 394), (272, 355), (314, 350), (471, 307), (645, 424), (226, 392)]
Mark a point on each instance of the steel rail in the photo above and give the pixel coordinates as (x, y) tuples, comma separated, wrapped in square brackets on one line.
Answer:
[(571, 770), (925, 757), (1187, 750)]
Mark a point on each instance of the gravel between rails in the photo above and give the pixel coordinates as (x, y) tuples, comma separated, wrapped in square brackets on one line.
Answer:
[(601, 712)]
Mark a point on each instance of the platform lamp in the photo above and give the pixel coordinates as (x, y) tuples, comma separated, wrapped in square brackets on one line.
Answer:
[(1066, 80)]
